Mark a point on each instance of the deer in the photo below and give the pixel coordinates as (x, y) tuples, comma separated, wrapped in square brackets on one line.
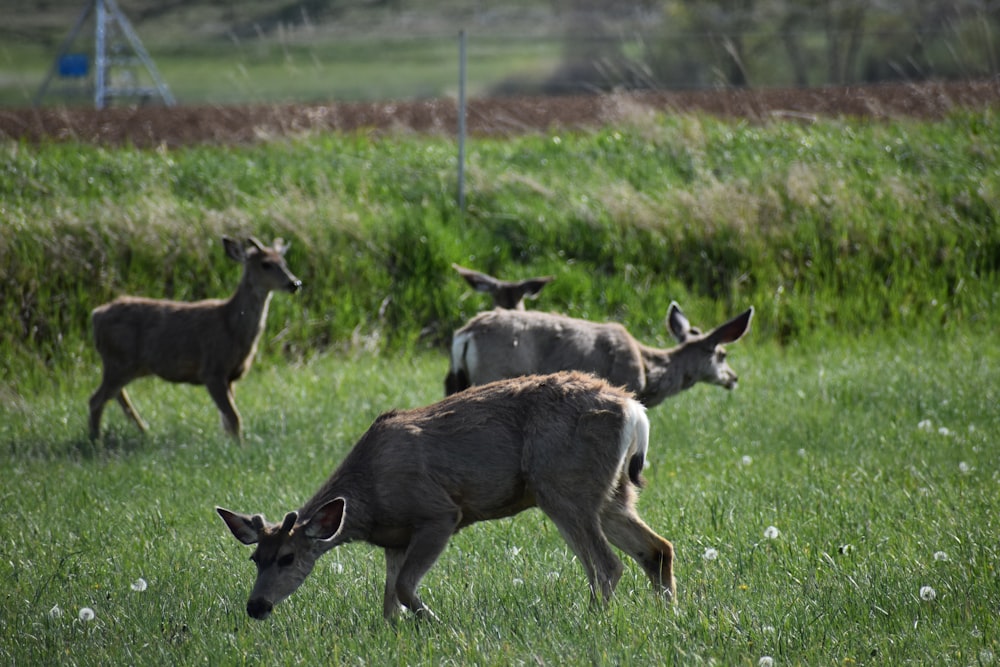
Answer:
[(506, 293), (211, 342), (499, 344), (568, 443)]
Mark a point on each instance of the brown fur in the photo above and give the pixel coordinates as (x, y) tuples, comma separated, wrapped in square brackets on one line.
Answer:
[(210, 342), (563, 443), (502, 343)]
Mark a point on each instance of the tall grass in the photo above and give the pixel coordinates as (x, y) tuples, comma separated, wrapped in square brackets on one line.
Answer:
[(831, 227)]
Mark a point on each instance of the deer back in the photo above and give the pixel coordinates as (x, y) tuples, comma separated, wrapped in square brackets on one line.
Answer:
[(499, 344)]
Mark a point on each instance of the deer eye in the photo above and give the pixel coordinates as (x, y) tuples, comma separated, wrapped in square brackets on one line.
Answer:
[(721, 354), (286, 560)]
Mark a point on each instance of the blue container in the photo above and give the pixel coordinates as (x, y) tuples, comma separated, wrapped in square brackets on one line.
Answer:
[(74, 65)]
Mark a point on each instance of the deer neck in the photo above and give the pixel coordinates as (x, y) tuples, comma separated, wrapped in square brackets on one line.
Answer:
[(665, 377), (246, 312)]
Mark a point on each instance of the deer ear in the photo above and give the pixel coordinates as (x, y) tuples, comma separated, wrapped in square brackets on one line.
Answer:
[(732, 330), (326, 522), (245, 528), (677, 323), (234, 249)]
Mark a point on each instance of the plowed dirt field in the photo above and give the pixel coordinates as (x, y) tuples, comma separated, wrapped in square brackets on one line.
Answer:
[(183, 125)]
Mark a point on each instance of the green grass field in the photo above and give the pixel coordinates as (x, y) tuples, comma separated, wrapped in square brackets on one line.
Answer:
[(875, 460), (840, 507)]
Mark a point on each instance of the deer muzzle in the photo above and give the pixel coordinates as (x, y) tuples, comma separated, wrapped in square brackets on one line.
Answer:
[(259, 608)]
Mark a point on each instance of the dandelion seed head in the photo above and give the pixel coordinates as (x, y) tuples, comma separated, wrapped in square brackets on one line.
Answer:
[(927, 594), (710, 554), (925, 425), (943, 430), (139, 585), (765, 661), (55, 612), (940, 556), (86, 614), (964, 468), (746, 460), (772, 533), (802, 452), (518, 581)]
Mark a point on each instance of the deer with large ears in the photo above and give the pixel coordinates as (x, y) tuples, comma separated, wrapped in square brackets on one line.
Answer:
[(505, 343), (569, 443), (210, 342), (509, 294)]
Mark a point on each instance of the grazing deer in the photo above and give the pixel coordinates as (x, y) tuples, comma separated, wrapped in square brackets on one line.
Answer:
[(505, 293), (569, 443), (505, 343), (210, 342)]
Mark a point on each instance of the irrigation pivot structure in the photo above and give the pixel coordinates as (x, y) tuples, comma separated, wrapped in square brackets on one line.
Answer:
[(117, 52)]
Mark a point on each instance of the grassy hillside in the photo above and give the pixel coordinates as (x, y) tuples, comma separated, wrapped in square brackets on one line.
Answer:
[(838, 508), (829, 229)]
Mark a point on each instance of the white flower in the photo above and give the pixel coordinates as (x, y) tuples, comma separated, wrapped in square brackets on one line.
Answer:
[(139, 585), (765, 661), (943, 430), (802, 452), (925, 425), (86, 614), (927, 594), (514, 551), (963, 467), (768, 629), (940, 556), (746, 460), (710, 554), (771, 533), (518, 581), (55, 612)]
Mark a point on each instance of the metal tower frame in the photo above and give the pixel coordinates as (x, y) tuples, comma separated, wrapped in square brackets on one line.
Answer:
[(109, 16)]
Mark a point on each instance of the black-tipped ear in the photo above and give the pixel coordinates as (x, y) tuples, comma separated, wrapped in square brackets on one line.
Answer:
[(327, 520), (246, 529), (732, 330)]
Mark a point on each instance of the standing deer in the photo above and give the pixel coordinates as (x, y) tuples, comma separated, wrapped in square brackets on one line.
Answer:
[(505, 293), (569, 443), (505, 343), (210, 342)]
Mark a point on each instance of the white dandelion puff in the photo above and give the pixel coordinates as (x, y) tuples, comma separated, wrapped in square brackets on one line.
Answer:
[(746, 460), (944, 430), (86, 614), (765, 661), (925, 425), (518, 581), (802, 452), (963, 467), (710, 554), (927, 594), (55, 612), (940, 556), (139, 585), (772, 533)]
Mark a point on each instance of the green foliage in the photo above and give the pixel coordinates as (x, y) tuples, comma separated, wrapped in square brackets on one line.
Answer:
[(829, 227)]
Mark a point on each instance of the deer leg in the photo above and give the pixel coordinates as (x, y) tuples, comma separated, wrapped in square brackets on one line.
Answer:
[(222, 393), (129, 409), (629, 533), (426, 545), (390, 600), (580, 527), (112, 386)]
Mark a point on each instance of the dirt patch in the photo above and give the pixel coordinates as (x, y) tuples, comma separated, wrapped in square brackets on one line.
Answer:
[(178, 126)]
